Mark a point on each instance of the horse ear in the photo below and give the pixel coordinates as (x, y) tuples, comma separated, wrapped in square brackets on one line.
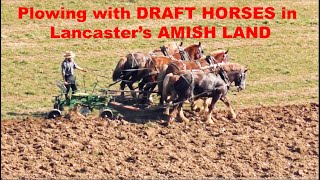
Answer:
[(246, 70), (181, 43), (227, 51), (199, 43)]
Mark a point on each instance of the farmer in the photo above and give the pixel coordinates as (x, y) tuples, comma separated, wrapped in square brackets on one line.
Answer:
[(68, 66)]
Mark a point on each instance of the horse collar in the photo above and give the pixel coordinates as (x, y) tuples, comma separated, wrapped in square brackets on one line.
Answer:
[(224, 76), (198, 63)]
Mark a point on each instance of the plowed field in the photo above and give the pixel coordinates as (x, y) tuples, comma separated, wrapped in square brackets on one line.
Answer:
[(278, 141)]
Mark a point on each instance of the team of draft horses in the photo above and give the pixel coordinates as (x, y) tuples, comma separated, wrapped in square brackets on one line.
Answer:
[(182, 74)]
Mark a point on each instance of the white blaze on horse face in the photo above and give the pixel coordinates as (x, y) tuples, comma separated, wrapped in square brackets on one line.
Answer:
[(201, 54), (226, 58), (242, 85)]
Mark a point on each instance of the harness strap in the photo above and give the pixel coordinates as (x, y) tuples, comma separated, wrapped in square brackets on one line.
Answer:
[(134, 58), (198, 63), (224, 75), (176, 66), (191, 84), (153, 73), (151, 61)]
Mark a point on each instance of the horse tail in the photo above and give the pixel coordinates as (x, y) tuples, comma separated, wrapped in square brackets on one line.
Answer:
[(166, 86), (118, 70)]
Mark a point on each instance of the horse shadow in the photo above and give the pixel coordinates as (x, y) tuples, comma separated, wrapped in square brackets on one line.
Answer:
[(37, 114)]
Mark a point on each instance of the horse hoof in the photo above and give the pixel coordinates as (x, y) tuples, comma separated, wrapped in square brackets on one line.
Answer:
[(232, 116), (186, 121), (210, 121)]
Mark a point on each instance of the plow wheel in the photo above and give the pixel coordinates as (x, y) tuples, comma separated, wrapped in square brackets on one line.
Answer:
[(54, 114), (106, 113)]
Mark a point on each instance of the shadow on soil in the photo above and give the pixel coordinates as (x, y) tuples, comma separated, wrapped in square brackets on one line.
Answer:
[(37, 114)]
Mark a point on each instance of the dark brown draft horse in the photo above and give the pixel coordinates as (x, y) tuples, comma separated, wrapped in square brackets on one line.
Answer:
[(203, 63), (195, 85)]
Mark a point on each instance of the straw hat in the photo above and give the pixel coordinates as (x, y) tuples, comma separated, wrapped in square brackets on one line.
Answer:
[(69, 54)]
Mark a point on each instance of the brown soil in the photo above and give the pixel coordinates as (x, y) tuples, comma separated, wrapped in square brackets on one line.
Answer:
[(263, 142)]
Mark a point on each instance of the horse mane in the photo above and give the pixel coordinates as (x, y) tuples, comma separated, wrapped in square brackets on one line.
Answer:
[(118, 70), (191, 46), (233, 67), (214, 53), (172, 47)]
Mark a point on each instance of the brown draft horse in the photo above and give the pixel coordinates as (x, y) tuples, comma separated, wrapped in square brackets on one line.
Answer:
[(130, 69), (203, 63), (195, 85), (193, 52), (157, 63), (171, 48), (154, 68)]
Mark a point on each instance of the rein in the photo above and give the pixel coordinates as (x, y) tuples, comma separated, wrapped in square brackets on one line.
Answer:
[(176, 66)]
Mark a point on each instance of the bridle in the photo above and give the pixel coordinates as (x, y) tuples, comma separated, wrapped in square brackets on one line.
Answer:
[(200, 52), (225, 57), (224, 76)]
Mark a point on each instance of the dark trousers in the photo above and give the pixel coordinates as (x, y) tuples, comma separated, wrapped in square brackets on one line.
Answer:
[(71, 84)]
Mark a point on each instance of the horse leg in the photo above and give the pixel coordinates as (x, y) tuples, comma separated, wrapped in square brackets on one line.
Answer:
[(214, 100), (206, 105), (167, 111), (184, 119), (160, 79), (141, 85), (133, 94), (227, 103), (161, 100), (152, 87), (122, 86), (173, 114)]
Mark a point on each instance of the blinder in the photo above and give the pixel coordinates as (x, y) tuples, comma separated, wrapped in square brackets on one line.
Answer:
[(241, 81)]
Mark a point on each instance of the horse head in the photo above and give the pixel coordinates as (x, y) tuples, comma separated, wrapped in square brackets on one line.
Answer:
[(240, 82), (237, 74), (226, 56), (199, 52), (209, 60), (195, 51), (220, 56)]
